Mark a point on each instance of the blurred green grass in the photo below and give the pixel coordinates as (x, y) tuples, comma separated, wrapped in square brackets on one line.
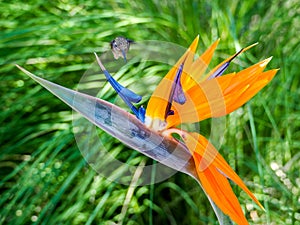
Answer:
[(44, 178)]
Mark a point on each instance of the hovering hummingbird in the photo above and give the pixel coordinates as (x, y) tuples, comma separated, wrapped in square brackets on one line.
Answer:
[(120, 47)]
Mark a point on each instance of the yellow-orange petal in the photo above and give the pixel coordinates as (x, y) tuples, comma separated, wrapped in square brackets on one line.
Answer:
[(263, 80), (211, 155), (158, 102), (200, 65), (247, 75), (219, 190), (187, 57), (210, 98), (213, 171), (220, 96)]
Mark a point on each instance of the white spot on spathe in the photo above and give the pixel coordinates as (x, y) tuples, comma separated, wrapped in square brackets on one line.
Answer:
[(155, 124), (148, 121)]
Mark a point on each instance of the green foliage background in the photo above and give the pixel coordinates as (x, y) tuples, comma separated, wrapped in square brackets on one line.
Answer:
[(44, 178)]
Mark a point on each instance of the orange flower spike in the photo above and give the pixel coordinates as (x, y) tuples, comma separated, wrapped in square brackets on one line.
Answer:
[(246, 76), (247, 83), (210, 98), (220, 96), (263, 80), (155, 116), (219, 190), (213, 171), (207, 96), (211, 155), (192, 70), (187, 58)]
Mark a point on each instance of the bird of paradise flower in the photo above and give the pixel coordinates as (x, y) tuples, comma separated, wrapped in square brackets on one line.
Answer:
[(185, 95)]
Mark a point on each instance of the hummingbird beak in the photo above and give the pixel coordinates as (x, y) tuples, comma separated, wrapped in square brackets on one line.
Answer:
[(124, 55)]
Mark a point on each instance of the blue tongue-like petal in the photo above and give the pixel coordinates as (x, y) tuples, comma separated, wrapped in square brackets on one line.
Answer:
[(219, 71), (127, 95), (224, 66), (122, 91)]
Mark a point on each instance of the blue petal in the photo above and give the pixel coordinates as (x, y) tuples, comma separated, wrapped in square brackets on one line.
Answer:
[(219, 71), (131, 96), (141, 114), (224, 66), (171, 112), (128, 96), (176, 93), (179, 96)]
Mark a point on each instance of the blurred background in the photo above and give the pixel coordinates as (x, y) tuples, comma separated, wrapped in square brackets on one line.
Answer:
[(44, 177)]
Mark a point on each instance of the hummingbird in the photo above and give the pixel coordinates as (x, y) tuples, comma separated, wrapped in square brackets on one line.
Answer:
[(120, 47)]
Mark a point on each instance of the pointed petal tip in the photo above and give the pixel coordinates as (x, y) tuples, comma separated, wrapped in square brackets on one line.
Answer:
[(99, 62), (19, 67), (196, 38), (275, 70), (31, 75), (22, 69), (194, 44), (250, 46), (215, 44), (96, 55), (259, 204), (265, 62)]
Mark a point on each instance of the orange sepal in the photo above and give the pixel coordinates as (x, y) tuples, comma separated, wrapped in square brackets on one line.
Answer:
[(219, 190), (200, 65), (213, 172), (158, 101), (222, 95)]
